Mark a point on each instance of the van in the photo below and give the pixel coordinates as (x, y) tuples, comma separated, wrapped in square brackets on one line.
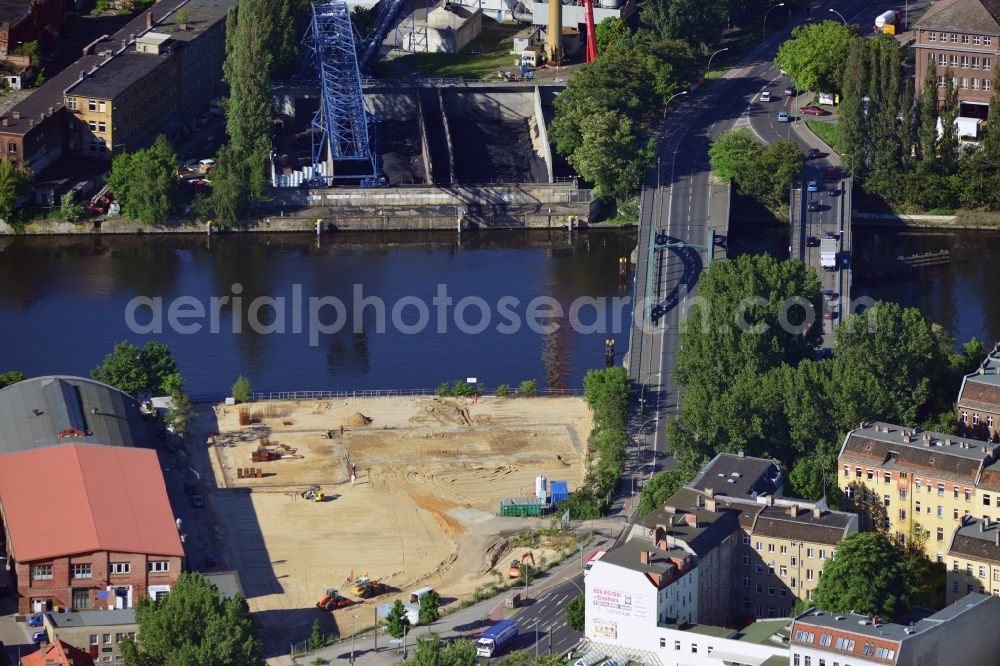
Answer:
[(417, 595)]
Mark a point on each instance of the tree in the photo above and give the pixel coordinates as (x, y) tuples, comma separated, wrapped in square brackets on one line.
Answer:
[(397, 621), (610, 29), (528, 388), (192, 626), (132, 370), (991, 142), (699, 22), (612, 154), (11, 377), (241, 389), (816, 55), (316, 636), (733, 153), (32, 50), (69, 209), (143, 181), (883, 113), (14, 184), (782, 162), (948, 143), (853, 119), (432, 651), (928, 132), (429, 611), (660, 487), (363, 19), (181, 410), (576, 613), (868, 576), (230, 189), (762, 172)]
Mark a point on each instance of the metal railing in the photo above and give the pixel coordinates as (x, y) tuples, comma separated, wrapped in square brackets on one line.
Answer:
[(382, 393)]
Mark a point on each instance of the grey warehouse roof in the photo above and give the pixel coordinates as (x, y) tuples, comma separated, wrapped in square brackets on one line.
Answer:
[(34, 412), (104, 618)]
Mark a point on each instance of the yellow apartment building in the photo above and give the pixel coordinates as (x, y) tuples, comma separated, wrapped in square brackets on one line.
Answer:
[(974, 559)]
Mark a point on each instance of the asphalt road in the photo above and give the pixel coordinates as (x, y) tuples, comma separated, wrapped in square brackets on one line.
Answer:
[(676, 200)]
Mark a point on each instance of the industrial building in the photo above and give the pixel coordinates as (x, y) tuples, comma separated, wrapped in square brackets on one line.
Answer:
[(98, 633), (101, 535), (150, 77)]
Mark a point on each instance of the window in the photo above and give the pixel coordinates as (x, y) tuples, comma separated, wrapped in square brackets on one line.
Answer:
[(885, 500), (975, 83), (968, 569), (93, 639), (916, 506), (885, 653), (795, 660), (663, 642), (694, 648), (825, 640), (81, 571), (940, 534), (954, 514), (809, 574), (804, 636), (987, 63), (871, 474), (987, 40), (940, 489), (857, 472), (107, 639), (784, 549), (902, 493), (954, 586), (964, 83), (81, 598), (746, 581), (121, 567), (71, 103), (822, 554), (118, 637), (968, 494), (953, 60), (887, 477), (975, 419), (868, 649), (770, 569), (746, 539), (940, 511), (976, 39), (759, 589), (942, 59), (902, 514), (954, 37), (975, 62), (41, 572), (795, 560), (782, 592), (92, 104), (965, 62), (770, 547), (965, 39), (918, 482), (809, 553), (12, 148), (92, 124), (159, 566), (793, 583), (101, 127), (770, 590), (987, 84), (968, 589), (982, 571), (746, 560), (989, 421), (760, 568), (677, 646), (808, 661), (783, 571), (847, 470), (101, 106), (845, 644), (759, 545)]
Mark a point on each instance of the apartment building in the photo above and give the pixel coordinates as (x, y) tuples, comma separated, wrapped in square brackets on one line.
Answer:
[(974, 559), (87, 527), (961, 633), (99, 633), (963, 35), (979, 399), (918, 482)]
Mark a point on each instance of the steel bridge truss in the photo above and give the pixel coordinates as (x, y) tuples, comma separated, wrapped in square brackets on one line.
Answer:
[(340, 127)]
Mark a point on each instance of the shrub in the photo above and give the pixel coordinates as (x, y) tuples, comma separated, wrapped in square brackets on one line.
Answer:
[(241, 389), (443, 389), (503, 390), (528, 388)]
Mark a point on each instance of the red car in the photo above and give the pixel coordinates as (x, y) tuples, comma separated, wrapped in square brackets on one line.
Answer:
[(812, 111)]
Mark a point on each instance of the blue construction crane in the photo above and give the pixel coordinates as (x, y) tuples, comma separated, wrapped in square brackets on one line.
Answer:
[(341, 132)]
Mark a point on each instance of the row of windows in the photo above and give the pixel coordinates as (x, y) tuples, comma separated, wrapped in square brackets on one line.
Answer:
[(975, 419), (84, 570), (955, 38), (966, 83), (969, 589), (106, 638), (92, 104), (963, 62), (969, 569), (810, 552)]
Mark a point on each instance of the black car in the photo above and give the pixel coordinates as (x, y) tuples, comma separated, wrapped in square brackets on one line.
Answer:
[(812, 206), (813, 154), (790, 91), (829, 294), (812, 241), (197, 501)]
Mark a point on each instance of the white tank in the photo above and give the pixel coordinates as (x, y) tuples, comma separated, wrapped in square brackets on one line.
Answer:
[(611, 4), (888, 17), (541, 489)]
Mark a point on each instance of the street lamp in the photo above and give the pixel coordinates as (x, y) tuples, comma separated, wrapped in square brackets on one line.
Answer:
[(709, 67), (840, 15), (354, 625), (764, 26), (667, 103)]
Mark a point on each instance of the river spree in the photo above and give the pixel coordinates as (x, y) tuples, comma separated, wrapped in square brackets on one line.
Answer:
[(358, 311)]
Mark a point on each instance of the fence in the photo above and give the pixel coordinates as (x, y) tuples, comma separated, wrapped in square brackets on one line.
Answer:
[(382, 393)]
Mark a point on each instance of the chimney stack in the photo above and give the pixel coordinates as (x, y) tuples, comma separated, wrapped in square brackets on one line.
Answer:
[(149, 19), (711, 505), (982, 525), (793, 511), (50, 110), (817, 512), (644, 557), (691, 520), (4, 122), (906, 437), (699, 501), (31, 122), (769, 500), (996, 538), (83, 73), (16, 115), (710, 492)]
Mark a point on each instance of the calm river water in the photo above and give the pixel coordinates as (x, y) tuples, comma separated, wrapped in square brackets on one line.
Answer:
[(964, 297), (63, 305)]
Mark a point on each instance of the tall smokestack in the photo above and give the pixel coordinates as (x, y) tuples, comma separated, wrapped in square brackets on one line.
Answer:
[(553, 40)]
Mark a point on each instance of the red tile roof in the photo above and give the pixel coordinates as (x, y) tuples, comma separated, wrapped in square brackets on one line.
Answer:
[(58, 654), (76, 498)]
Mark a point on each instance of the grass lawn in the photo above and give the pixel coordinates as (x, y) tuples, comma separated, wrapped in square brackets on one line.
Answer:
[(480, 59), (829, 132)]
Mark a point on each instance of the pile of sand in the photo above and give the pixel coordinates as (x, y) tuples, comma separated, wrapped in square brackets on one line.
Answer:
[(357, 420), (444, 412)]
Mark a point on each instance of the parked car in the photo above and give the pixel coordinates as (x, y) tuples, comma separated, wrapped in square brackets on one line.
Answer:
[(197, 501), (39, 637), (765, 96), (826, 352), (790, 91), (812, 186), (812, 206), (829, 294), (783, 116), (36, 620), (829, 315), (813, 154), (812, 241), (832, 191), (812, 111)]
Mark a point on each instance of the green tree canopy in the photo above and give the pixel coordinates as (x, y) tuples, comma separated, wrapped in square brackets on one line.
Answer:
[(576, 610), (868, 576), (143, 181), (733, 153), (135, 370), (660, 487), (15, 183), (11, 377), (432, 651), (397, 621), (191, 626), (610, 29), (241, 389), (699, 22), (816, 55), (429, 611), (763, 172)]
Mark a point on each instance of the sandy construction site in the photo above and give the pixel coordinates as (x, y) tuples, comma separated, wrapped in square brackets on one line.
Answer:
[(429, 475)]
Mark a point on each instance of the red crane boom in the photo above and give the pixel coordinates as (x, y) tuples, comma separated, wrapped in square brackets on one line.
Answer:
[(588, 8)]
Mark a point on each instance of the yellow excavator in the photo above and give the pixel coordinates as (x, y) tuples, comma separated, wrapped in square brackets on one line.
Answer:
[(365, 587), (315, 493)]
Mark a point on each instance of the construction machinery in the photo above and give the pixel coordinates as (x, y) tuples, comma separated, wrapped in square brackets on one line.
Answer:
[(332, 600), (517, 566), (315, 493), (366, 588)]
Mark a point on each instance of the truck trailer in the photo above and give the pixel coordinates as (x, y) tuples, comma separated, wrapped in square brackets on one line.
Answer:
[(828, 254), (495, 639)]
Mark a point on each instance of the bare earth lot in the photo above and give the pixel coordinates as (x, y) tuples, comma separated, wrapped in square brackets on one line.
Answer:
[(422, 510)]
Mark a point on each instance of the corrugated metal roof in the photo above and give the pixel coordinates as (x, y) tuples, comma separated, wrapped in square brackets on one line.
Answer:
[(63, 500), (34, 413)]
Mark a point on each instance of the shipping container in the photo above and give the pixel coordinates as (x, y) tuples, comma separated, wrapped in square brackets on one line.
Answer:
[(521, 506), (559, 490)]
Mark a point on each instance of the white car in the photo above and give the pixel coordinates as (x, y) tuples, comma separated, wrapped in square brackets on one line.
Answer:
[(765, 96)]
